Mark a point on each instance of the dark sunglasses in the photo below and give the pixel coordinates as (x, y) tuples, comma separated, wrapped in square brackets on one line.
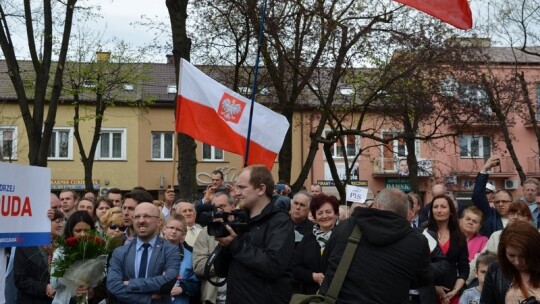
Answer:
[(115, 227)]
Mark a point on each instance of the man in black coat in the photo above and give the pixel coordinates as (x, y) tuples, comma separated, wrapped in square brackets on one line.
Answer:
[(256, 262), (391, 257)]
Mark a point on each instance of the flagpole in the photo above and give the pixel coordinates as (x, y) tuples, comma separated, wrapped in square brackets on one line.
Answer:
[(254, 89)]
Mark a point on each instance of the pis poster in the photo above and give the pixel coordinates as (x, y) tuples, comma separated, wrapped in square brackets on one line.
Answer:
[(24, 201)]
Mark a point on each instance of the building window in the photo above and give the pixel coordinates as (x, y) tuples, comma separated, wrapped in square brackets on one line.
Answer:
[(162, 145), (61, 146), (211, 153), (474, 146), (8, 142), (475, 95), (171, 89), (395, 150), (112, 144), (352, 146)]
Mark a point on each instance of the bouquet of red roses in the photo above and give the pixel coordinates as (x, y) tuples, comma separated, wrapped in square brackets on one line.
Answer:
[(79, 262)]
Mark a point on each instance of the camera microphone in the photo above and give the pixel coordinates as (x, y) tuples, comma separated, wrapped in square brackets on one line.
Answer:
[(204, 214)]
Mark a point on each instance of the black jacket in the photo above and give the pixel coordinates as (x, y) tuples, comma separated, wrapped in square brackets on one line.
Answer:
[(458, 258), (495, 286), (256, 263), (390, 260), (306, 261), (439, 267), (492, 219), (304, 228), (31, 273)]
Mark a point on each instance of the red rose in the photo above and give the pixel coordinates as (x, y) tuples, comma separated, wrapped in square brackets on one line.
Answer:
[(72, 242), (95, 240)]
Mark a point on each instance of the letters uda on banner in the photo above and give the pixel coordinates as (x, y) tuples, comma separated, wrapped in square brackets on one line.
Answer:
[(24, 201)]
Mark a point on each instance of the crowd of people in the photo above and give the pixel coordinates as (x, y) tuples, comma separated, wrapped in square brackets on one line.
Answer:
[(270, 243)]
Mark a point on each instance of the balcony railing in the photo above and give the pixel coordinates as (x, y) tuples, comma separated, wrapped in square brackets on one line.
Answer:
[(533, 165), (471, 166)]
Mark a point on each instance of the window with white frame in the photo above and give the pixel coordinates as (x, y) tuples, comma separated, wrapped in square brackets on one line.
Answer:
[(61, 146), (395, 149), (475, 146), (475, 95), (352, 146), (8, 142), (162, 145), (211, 153), (112, 144)]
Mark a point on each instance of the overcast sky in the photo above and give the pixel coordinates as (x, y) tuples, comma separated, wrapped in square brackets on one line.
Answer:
[(118, 16)]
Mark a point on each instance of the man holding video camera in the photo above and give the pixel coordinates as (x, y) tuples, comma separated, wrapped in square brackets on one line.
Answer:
[(256, 261)]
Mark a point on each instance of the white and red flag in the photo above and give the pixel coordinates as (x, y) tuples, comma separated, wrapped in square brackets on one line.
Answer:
[(216, 115), (454, 12)]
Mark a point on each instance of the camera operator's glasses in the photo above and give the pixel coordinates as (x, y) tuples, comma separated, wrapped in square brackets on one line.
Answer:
[(116, 227), (177, 229)]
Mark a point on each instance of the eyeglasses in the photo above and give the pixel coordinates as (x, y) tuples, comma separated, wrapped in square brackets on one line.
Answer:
[(115, 227), (177, 229), (144, 217), (501, 202)]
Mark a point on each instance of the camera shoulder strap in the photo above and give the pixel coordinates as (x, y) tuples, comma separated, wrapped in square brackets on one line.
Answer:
[(209, 263)]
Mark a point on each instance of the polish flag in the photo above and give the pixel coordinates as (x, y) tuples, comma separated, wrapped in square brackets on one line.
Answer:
[(454, 12), (212, 113)]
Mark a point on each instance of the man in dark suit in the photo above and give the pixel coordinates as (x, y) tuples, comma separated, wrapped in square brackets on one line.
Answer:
[(145, 270)]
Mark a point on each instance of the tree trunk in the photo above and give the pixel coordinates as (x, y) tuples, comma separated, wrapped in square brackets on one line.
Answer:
[(88, 169), (187, 156), (285, 155), (412, 163), (313, 148), (532, 111), (496, 108)]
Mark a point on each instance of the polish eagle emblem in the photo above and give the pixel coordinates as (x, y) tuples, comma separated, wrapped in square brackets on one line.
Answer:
[(231, 108)]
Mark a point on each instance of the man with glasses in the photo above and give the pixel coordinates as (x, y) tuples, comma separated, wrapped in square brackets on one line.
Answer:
[(146, 270), (494, 218), (131, 200)]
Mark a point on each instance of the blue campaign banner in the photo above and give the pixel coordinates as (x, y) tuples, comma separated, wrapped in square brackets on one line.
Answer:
[(25, 239), (25, 193)]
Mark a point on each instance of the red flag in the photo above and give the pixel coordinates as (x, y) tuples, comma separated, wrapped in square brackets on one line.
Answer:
[(454, 12)]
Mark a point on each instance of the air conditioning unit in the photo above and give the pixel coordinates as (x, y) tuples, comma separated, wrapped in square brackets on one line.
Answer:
[(511, 184)]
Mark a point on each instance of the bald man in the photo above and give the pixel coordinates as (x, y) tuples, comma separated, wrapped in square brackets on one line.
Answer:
[(145, 270)]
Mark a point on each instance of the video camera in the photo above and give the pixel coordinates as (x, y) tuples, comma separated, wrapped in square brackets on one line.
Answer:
[(208, 215)]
